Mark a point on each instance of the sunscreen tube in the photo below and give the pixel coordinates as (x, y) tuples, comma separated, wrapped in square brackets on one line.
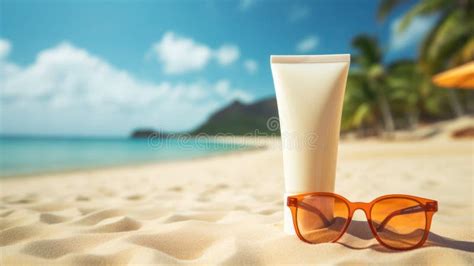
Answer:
[(310, 92)]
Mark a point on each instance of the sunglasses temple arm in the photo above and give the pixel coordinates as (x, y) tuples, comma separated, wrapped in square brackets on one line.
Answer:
[(408, 210), (315, 211)]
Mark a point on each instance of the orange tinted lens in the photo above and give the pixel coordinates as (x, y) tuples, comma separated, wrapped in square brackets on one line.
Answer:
[(321, 218), (399, 222)]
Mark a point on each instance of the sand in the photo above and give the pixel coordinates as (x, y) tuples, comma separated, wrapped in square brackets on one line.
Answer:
[(228, 209)]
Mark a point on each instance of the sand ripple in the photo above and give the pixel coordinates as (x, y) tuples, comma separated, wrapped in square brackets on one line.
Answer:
[(55, 248), (122, 225), (180, 242)]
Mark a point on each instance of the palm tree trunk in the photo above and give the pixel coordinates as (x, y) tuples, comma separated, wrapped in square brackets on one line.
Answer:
[(413, 116), (455, 103), (386, 113)]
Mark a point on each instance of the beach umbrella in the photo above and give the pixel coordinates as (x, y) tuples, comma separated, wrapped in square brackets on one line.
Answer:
[(458, 77)]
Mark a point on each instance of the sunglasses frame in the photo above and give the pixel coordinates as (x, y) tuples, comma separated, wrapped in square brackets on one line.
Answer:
[(430, 207)]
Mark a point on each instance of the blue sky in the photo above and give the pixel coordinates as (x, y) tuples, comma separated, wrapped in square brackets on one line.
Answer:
[(107, 67)]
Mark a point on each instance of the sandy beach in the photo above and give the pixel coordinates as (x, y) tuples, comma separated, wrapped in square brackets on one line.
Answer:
[(228, 209)]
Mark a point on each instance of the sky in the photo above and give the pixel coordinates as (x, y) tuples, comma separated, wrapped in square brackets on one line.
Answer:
[(105, 68)]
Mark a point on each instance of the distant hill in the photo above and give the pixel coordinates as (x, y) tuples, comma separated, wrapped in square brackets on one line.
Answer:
[(240, 119), (236, 119)]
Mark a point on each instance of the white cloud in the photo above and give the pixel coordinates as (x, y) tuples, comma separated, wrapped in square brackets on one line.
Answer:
[(223, 88), (307, 44), (251, 66), (180, 54), (227, 54), (67, 90), (5, 48), (298, 13), (412, 35)]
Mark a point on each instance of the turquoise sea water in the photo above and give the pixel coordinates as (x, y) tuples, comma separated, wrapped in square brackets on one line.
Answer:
[(31, 155)]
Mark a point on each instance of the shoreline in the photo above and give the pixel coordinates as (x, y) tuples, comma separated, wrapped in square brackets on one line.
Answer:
[(272, 143), (56, 173), (256, 143), (443, 130)]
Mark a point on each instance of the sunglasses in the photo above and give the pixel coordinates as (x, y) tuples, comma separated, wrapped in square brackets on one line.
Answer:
[(399, 222)]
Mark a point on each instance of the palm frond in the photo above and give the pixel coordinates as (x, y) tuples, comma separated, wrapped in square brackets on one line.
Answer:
[(362, 113), (428, 40), (423, 8), (386, 6), (450, 37), (465, 53), (369, 52)]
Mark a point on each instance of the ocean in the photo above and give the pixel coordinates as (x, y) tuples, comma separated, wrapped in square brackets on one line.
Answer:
[(40, 155)]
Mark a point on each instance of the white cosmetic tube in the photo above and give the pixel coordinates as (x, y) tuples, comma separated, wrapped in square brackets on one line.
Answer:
[(310, 92)]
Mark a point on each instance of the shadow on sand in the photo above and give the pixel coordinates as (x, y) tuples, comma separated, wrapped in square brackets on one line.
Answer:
[(361, 230)]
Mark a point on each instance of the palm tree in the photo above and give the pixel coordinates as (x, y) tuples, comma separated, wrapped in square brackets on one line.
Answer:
[(403, 79), (449, 43), (401, 83), (370, 75), (360, 104)]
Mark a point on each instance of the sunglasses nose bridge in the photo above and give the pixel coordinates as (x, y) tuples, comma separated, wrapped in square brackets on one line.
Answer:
[(364, 206)]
